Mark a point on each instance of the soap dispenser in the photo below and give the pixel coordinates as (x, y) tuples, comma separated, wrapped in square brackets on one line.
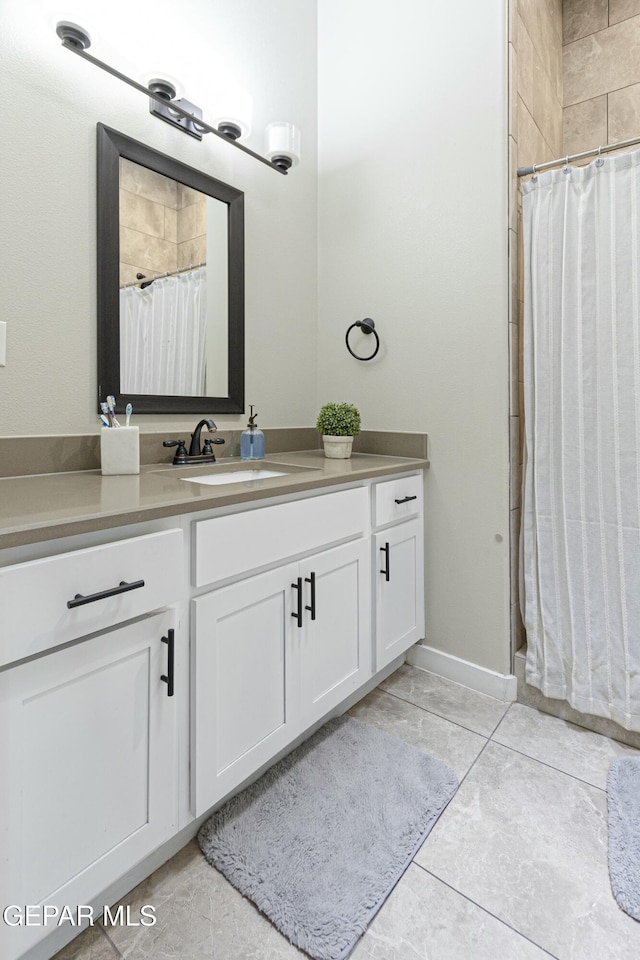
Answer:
[(252, 440)]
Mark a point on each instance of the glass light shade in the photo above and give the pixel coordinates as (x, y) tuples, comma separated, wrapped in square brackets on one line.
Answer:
[(283, 140)]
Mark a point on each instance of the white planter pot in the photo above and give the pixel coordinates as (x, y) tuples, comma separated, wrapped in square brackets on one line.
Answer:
[(337, 448)]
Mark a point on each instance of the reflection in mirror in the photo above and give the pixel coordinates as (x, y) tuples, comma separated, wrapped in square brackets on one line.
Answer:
[(173, 287), (171, 330)]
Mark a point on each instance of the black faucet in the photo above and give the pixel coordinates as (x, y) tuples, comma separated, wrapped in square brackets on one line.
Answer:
[(195, 455), (194, 449)]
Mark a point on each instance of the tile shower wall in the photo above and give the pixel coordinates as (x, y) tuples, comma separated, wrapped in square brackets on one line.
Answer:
[(162, 223), (601, 72), (535, 135)]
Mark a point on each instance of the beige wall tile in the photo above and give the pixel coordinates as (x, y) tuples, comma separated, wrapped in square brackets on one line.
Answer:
[(148, 183), (585, 125), (152, 253), (513, 184), (192, 220), (532, 147), (514, 538), (513, 88), (603, 62), (192, 251), (547, 108), (624, 113), (623, 9), (514, 445), (521, 357), (514, 348), (542, 26), (525, 66), (512, 15), (170, 224), (141, 214), (555, 16), (513, 273), (583, 17), (186, 196)]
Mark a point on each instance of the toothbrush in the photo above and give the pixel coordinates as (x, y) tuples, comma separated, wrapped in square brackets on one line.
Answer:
[(103, 420), (109, 414), (128, 411), (111, 406)]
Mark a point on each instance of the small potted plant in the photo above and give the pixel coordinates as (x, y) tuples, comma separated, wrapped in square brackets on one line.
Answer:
[(338, 423)]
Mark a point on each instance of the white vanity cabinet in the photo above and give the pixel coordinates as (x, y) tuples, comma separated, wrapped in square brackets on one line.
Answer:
[(294, 605), (87, 727), (398, 551), (277, 651)]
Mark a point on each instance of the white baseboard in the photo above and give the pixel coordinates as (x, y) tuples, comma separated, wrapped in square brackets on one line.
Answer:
[(503, 686)]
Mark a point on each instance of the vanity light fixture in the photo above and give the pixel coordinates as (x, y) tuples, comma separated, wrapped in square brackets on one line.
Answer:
[(283, 145)]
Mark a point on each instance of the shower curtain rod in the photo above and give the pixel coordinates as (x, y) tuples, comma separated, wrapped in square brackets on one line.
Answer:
[(144, 281), (537, 167)]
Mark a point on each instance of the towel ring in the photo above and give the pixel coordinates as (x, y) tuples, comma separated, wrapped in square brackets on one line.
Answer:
[(367, 326)]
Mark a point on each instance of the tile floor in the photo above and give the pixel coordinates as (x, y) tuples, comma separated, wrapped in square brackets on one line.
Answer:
[(515, 869)]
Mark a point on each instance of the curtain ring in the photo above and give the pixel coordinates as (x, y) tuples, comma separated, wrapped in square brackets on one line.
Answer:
[(599, 161), (367, 326), (567, 166), (534, 176)]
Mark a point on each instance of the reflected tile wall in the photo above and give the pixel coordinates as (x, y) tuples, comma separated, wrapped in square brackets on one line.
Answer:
[(601, 72), (149, 221)]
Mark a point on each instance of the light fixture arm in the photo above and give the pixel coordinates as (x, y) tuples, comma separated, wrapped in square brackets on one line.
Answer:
[(200, 124)]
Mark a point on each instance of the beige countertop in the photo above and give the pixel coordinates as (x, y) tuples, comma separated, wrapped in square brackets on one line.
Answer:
[(52, 505)]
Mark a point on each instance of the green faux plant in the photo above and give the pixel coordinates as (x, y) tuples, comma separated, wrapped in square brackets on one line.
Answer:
[(338, 420)]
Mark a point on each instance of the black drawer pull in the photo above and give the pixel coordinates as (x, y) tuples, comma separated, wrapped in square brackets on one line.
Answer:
[(298, 613), (386, 570), (312, 608), (406, 499), (123, 587), (168, 677)]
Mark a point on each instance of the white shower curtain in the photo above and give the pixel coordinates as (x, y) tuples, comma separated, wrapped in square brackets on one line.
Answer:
[(581, 497), (163, 331)]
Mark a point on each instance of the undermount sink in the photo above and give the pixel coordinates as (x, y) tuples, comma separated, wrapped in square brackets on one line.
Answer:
[(241, 475)]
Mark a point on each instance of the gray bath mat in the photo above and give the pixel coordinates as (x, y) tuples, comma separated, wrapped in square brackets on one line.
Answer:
[(319, 842), (623, 798)]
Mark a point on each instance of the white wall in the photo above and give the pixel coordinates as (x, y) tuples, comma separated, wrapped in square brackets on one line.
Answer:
[(413, 232), (52, 101)]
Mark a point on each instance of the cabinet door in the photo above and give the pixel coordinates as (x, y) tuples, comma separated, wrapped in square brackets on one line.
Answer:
[(87, 747), (242, 680), (399, 590), (334, 641)]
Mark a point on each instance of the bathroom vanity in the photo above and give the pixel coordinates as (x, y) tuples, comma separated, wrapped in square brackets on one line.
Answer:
[(163, 641)]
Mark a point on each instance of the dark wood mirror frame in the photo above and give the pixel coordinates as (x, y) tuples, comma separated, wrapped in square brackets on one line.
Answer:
[(111, 146)]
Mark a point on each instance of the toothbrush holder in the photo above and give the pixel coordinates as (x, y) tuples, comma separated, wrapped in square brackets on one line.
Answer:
[(119, 451)]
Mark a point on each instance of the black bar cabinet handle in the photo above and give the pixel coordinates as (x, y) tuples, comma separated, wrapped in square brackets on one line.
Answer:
[(312, 608), (123, 587), (298, 613), (406, 499), (386, 571), (169, 676)]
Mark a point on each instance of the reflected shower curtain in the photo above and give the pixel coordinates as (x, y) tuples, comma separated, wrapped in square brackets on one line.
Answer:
[(163, 331), (581, 496)]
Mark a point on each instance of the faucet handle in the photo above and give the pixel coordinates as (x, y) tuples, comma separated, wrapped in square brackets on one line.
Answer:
[(180, 452)]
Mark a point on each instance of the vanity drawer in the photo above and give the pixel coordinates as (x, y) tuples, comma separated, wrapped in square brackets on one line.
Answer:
[(241, 542), (34, 596), (397, 500)]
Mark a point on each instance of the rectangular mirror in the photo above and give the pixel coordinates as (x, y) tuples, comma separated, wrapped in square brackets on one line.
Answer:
[(170, 283)]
